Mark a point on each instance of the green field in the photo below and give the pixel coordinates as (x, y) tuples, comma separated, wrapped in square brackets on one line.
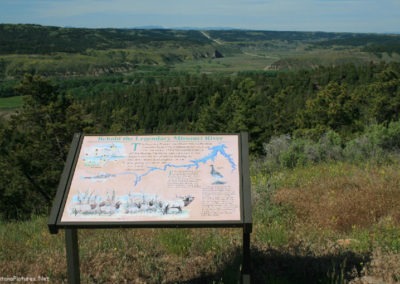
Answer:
[(11, 103)]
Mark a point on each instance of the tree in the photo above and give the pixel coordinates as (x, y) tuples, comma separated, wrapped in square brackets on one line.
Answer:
[(35, 144), (333, 108), (123, 121), (385, 96), (210, 117), (238, 111)]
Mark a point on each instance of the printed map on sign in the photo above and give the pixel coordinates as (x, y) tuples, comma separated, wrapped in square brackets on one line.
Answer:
[(155, 178)]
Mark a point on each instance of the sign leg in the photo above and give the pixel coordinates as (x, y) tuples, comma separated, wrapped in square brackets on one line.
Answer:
[(245, 273), (72, 248)]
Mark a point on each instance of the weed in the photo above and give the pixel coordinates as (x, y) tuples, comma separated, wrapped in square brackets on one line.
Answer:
[(177, 242)]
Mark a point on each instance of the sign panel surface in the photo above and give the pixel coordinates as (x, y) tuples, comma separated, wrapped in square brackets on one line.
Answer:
[(155, 178)]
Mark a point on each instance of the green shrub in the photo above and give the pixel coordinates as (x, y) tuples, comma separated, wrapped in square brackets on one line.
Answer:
[(286, 152), (375, 144), (363, 148), (295, 155), (330, 147), (378, 143), (274, 149), (391, 139)]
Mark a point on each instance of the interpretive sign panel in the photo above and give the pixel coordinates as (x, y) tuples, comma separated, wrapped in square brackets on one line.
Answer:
[(147, 179), (189, 180)]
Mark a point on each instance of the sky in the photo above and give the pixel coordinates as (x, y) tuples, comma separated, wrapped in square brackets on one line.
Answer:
[(365, 16)]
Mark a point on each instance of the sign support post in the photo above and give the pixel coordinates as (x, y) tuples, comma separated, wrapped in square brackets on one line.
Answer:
[(247, 215), (246, 267), (72, 249)]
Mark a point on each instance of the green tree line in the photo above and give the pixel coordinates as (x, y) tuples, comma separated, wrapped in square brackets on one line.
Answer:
[(47, 39), (344, 99)]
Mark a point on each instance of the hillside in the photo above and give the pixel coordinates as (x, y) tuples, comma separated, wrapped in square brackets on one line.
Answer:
[(46, 40), (56, 51)]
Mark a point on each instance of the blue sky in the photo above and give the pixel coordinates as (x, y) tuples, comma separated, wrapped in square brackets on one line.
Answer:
[(376, 16)]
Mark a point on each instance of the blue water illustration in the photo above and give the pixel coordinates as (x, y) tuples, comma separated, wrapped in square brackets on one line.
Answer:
[(214, 151), (112, 152)]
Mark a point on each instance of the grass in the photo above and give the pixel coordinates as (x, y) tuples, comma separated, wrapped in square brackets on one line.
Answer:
[(329, 223), (10, 103), (229, 64), (348, 198), (260, 58)]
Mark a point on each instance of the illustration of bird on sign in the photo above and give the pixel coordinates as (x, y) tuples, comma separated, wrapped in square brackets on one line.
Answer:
[(217, 176)]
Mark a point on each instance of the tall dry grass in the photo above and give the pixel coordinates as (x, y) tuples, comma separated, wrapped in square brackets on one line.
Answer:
[(345, 199), (328, 223), (346, 208)]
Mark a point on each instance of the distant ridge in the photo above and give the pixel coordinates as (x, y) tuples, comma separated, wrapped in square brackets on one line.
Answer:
[(149, 28), (208, 28), (194, 43), (186, 28)]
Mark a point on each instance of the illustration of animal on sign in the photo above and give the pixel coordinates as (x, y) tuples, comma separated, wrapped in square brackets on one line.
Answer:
[(88, 204), (216, 175), (142, 204), (155, 204), (176, 205), (85, 203)]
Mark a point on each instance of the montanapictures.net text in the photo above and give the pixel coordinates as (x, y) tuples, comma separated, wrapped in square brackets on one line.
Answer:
[(24, 279)]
